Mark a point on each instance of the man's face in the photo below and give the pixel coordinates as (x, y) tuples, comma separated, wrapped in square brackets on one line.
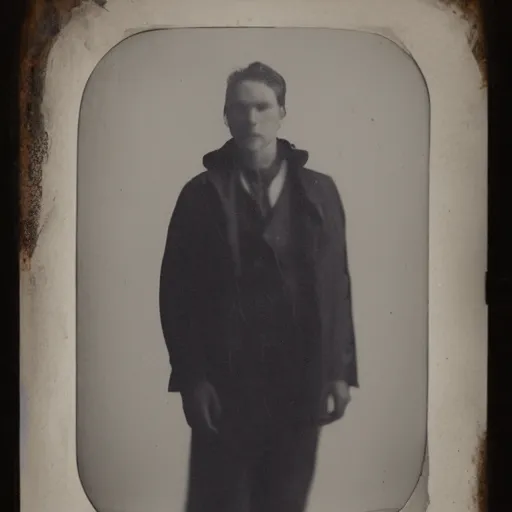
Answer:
[(253, 115)]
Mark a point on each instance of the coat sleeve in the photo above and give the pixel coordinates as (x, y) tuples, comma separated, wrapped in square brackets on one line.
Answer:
[(343, 364), (179, 292)]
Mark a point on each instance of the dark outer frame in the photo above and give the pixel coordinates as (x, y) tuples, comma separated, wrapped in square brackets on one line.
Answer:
[(11, 16), (496, 462)]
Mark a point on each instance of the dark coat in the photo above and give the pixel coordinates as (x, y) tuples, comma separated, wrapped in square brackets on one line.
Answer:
[(201, 265)]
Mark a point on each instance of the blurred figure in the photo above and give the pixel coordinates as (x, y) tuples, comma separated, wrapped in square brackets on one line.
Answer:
[(256, 309)]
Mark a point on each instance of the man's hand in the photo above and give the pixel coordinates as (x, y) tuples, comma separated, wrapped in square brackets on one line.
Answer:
[(202, 407), (338, 393)]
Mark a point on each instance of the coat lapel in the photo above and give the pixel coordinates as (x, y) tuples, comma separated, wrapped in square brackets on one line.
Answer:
[(311, 216), (308, 195), (224, 184), (311, 194)]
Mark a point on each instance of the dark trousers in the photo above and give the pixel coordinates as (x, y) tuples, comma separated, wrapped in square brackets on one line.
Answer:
[(264, 468)]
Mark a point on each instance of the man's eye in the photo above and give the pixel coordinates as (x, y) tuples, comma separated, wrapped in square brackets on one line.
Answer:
[(262, 106)]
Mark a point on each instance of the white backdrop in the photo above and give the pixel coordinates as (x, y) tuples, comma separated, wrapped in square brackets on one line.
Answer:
[(151, 109)]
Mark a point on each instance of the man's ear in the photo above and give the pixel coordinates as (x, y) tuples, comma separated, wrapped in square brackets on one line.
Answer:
[(282, 112)]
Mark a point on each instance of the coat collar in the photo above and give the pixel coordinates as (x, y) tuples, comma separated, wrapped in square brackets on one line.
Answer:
[(224, 157), (221, 168)]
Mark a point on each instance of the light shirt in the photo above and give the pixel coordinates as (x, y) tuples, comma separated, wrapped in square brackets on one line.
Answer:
[(276, 187)]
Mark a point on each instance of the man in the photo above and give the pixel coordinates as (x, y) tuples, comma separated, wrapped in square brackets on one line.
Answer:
[(255, 306)]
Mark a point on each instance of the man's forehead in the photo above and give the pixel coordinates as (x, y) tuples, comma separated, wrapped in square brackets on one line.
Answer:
[(249, 91)]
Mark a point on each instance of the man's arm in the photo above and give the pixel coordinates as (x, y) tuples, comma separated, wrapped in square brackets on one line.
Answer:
[(179, 292), (342, 364), (344, 359)]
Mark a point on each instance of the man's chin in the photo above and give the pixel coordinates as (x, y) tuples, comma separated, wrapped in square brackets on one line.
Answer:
[(252, 143)]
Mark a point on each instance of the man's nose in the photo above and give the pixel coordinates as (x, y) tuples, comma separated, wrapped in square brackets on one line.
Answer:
[(252, 116)]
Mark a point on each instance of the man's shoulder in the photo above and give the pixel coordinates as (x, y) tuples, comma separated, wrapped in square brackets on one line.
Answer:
[(195, 185), (198, 180), (312, 173), (317, 179), (194, 192), (322, 186)]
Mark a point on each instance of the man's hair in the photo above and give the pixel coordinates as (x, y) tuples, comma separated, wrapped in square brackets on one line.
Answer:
[(258, 72)]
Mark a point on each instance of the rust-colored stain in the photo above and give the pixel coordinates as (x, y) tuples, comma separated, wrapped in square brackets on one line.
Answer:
[(472, 12), (43, 23), (480, 461)]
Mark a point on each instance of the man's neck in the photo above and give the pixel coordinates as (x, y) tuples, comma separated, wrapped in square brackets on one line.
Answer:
[(260, 160)]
